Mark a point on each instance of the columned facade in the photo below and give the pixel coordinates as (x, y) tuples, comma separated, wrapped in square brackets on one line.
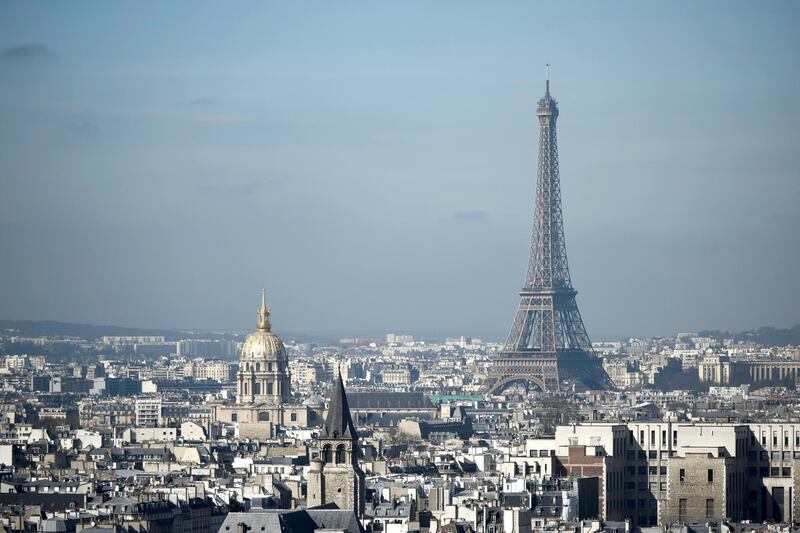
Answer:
[(263, 365), (263, 390)]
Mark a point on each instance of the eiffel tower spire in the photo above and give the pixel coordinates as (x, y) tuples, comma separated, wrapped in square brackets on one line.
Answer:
[(547, 342)]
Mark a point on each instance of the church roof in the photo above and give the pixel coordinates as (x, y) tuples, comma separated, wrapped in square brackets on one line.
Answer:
[(390, 400), (339, 423), (294, 521), (263, 344)]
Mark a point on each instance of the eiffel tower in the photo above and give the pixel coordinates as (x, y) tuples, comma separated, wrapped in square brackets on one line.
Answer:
[(547, 344)]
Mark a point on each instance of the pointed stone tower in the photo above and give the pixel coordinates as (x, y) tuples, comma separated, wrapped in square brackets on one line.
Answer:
[(334, 476)]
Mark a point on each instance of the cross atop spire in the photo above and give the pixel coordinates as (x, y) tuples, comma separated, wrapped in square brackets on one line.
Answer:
[(264, 323), (339, 423)]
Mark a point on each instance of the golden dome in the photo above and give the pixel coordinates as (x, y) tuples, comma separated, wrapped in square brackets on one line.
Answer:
[(262, 344)]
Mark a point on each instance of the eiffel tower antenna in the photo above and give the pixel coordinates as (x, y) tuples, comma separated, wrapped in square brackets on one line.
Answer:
[(547, 78)]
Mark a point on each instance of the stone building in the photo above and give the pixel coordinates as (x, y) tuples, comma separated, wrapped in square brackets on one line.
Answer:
[(263, 390), (335, 475), (715, 369), (263, 365), (667, 472), (696, 488)]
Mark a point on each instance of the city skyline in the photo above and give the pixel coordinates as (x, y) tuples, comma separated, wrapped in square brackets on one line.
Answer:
[(260, 263), (389, 169)]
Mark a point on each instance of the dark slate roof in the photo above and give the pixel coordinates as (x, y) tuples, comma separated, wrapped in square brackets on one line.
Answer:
[(390, 400), (297, 521), (48, 502), (338, 423), (336, 519), (104, 529)]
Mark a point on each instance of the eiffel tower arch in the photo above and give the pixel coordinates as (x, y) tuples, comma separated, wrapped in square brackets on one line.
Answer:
[(547, 343)]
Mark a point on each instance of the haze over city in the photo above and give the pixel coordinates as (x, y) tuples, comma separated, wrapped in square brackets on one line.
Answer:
[(399, 267), (374, 169)]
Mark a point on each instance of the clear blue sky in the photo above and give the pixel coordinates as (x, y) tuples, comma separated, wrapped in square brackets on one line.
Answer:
[(372, 164)]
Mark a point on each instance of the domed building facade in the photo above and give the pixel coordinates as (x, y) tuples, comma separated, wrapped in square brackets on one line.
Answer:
[(263, 375), (263, 386)]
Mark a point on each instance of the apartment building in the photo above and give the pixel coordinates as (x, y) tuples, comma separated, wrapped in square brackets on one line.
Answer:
[(634, 463)]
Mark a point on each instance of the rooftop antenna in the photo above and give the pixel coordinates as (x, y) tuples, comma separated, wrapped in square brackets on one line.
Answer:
[(547, 78)]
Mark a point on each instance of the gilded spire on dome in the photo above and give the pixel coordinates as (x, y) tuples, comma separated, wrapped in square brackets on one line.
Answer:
[(264, 323)]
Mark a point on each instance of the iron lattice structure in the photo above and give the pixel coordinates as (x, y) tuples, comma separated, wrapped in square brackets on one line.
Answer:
[(547, 342)]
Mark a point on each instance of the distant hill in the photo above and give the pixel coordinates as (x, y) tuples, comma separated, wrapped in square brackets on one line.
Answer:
[(766, 336), (40, 328)]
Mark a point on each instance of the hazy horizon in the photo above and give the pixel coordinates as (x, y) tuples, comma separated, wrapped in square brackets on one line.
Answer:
[(373, 165)]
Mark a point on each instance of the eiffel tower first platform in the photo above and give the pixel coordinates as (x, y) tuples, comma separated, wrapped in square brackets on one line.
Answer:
[(547, 344)]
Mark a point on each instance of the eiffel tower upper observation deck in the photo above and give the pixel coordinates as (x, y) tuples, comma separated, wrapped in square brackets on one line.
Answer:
[(547, 343)]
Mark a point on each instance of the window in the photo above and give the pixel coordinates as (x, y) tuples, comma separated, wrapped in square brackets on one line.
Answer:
[(663, 470), (682, 474), (263, 417), (326, 453), (234, 417), (293, 417), (341, 453), (682, 510), (653, 454), (710, 476), (786, 471), (710, 508), (269, 388)]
